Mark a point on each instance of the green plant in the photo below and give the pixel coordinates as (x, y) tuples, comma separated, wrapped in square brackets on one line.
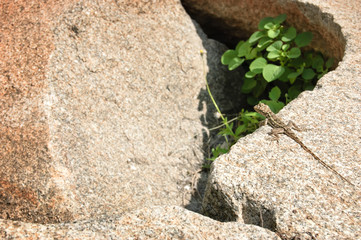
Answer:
[(277, 68), (274, 58), (246, 123)]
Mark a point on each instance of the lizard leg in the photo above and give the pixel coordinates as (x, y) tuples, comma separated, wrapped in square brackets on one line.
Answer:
[(275, 132), (292, 125), (263, 122)]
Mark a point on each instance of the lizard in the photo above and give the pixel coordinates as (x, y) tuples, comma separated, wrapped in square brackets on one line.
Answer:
[(280, 127)]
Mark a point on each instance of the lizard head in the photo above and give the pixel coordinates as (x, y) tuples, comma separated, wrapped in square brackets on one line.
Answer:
[(262, 109)]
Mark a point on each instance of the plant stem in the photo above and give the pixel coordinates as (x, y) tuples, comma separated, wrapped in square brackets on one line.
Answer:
[(210, 94), (228, 121)]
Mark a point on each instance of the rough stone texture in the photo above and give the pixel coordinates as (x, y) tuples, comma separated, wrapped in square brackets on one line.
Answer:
[(123, 119), (278, 184), (24, 156), (101, 112), (101, 107), (86, 85), (149, 223)]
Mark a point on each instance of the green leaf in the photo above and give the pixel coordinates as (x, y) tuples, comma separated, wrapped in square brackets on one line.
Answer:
[(216, 152), (321, 75), (250, 74), (251, 100), (294, 91), (329, 63), (292, 77), (269, 25), (228, 56), (264, 21), (308, 74), (273, 54), (274, 46), (251, 115), (288, 99), (258, 65), (303, 39), (248, 85), (285, 47), (294, 53), (227, 131), (235, 62), (280, 19), (297, 62), (272, 72), (284, 77), (252, 54), (240, 129), (244, 49), (256, 36), (238, 46), (275, 106), (263, 43), (259, 89), (289, 35), (308, 86), (275, 94), (317, 63), (273, 33)]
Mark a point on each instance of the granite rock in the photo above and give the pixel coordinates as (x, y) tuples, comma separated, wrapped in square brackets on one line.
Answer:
[(104, 115), (99, 108), (161, 222), (278, 185)]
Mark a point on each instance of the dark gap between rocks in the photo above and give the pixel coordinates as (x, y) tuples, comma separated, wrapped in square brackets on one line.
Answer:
[(228, 97), (256, 214), (226, 90), (216, 29)]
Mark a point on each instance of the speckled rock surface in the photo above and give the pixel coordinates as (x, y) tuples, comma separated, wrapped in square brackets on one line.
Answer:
[(278, 184), (149, 223), (122, 105), (101, 107)]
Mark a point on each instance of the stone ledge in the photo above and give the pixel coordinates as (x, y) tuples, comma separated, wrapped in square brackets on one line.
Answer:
[(279, 185), (161, 222), (276, 186)]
